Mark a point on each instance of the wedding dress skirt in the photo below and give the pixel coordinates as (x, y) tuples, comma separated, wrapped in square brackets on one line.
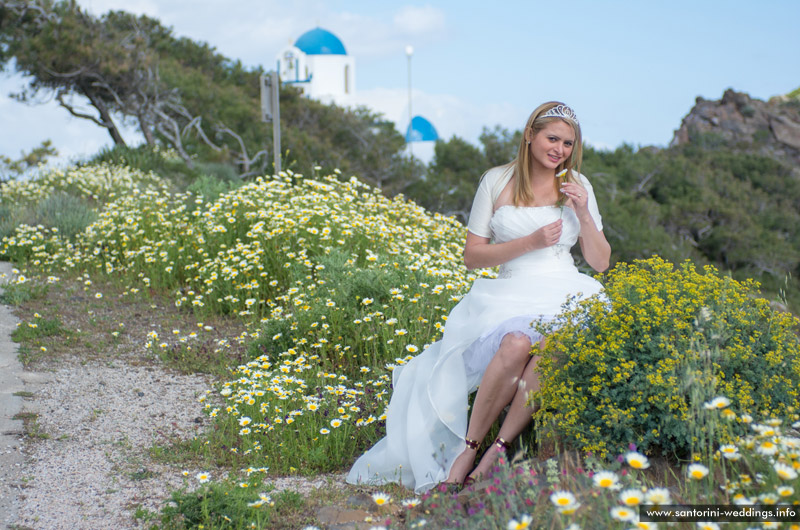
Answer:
[(427, 415)]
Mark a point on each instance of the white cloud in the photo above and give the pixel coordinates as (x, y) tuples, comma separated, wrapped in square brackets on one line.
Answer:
[(414, 20), (449, 114), (254, 32), (372, 38)]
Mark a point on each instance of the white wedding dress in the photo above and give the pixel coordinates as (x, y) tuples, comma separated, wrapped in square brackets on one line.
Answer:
[(428, 412)]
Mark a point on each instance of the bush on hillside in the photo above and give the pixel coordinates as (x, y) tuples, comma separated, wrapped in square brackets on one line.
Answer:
[(637, 366), (60, 212)]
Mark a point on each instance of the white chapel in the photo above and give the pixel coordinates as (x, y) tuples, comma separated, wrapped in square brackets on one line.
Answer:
[(318, 64)]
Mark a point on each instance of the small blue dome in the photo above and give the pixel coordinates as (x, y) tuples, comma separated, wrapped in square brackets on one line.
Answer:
[(319, 41), (421, 130)]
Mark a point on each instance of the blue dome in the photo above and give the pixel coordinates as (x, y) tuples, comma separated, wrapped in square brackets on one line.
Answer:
[(320, 42), (421, 130)]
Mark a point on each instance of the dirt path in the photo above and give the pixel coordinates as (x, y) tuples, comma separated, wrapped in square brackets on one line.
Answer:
[(76, 436), (74, 451), (11, 405)]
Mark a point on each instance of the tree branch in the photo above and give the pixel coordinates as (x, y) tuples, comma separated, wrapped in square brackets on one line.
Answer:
[(243, 158), (639, 189), (71, 110), (105, 86), (196, 123), (174, 136), (53, 73)]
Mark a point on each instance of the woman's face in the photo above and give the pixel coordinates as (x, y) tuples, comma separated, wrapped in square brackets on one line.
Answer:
[(551, 146)]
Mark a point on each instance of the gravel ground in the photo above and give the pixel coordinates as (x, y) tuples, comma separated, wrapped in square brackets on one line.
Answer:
[(90, 468), (99, 419)]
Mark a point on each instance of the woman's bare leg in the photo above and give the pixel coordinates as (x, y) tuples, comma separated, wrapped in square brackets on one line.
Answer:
[(519, 416), (498, 387)]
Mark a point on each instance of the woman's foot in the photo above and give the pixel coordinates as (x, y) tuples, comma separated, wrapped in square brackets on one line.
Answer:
[(486, 465), (463, 463)]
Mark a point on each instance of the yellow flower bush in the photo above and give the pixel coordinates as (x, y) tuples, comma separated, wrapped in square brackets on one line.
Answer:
[(636, 365)]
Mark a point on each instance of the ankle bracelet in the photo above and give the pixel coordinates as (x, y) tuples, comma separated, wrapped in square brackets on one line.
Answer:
[(502, 444), (472, 444)]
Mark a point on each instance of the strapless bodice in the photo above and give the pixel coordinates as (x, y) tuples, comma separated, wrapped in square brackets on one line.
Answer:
[(510, 222)]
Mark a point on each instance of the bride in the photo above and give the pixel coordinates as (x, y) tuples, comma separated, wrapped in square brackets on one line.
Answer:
[(525, 217)]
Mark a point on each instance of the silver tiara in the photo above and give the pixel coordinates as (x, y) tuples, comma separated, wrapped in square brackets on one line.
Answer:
[(561, 111)]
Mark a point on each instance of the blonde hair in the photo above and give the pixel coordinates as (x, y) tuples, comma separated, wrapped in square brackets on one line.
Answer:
[(522, 192)]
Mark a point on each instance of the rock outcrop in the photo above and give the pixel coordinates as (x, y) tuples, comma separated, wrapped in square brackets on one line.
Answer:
[(771, 128)]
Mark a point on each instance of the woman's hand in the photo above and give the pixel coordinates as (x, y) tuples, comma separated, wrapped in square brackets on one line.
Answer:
[(479, 252), (546, 236), (594, 246), (577, 198)]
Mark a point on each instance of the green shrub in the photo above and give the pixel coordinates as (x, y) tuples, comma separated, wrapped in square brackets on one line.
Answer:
[(163, 162), (38, 328), (211, 187), (7, 221), (17, 293), (69, 214), (220, 171), (231, 503), (638, 366)]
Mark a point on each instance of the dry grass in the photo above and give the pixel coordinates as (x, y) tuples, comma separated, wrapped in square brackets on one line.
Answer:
[(88, 324)]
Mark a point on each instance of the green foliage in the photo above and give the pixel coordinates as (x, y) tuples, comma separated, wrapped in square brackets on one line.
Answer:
[(358, 142), (10, 168), (210, 188), (452, 178), (66, 214), (17, 293), (163, 162), (717, 206), (40, 327), (634, 223), (67, 51), (233, 504), (499, 145), (7, 221), (69, 214), (206, 179), (225, 173), (638, 365)]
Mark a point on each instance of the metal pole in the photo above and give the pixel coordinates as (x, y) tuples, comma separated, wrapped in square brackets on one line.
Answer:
[(409, 53), (276, 120)]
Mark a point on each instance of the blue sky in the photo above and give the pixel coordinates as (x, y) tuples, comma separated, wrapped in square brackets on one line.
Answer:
[(631, 69)]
